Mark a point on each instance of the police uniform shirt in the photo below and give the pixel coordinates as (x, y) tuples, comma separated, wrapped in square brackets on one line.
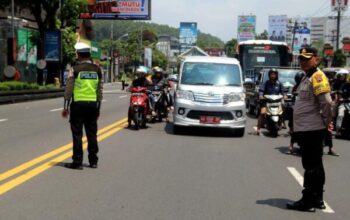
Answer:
[(313, 106), (86, 65)]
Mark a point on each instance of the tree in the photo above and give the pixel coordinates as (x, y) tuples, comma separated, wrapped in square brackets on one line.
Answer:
[(230, 48), (262, 36), (339, 59), (159, 59), (45, 14)]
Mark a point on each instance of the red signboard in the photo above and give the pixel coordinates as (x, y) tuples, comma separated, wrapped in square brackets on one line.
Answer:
[(328, 52), (346, 47)]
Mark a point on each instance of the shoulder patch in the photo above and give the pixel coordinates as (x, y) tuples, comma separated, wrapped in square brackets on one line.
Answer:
[(320, 83)]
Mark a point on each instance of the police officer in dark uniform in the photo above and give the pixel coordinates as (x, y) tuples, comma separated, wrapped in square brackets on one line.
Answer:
[(312, 118), (83, 95)]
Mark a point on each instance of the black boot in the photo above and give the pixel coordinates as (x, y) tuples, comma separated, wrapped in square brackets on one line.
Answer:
[(301, 205), (74, 166), (318, 201)]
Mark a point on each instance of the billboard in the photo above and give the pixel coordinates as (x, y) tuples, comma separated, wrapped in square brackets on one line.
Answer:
[(188, 35), (27, 51), (118, 10), (52, 46), (341, 5), (302, 36), (246, 27), (277, 28)]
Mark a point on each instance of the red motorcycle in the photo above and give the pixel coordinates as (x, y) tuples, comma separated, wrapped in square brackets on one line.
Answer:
[(139, 107)]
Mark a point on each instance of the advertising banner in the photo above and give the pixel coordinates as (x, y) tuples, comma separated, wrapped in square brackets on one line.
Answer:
[(246, 27), (302, 36), (148, 57), (27, 51), (118, 10), (52, 46), (278, 28), (341, 5), (188, 35)]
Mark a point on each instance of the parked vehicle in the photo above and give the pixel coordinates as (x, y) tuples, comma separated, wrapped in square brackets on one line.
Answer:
[(139, 107), (210, 93), (274, 114)]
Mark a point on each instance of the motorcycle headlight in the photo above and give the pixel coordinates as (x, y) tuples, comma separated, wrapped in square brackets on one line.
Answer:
[(235, 97), (182, 94)]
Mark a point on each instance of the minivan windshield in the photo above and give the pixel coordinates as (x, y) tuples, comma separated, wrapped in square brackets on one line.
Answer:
[(215, 74)]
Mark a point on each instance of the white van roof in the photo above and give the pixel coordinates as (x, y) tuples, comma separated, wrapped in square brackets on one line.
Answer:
[(208, 59)]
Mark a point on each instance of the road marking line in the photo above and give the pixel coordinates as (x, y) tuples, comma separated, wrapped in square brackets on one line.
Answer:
[(104, 100), (36, 171), (56, 110), (300, 180), (124, 96), (46, 156), (4, 119)]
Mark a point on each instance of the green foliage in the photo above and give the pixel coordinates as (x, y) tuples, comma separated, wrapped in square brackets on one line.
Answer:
[(15, 85), (159, 59), (230, 48), (68, 41), (262, 36), (122, 27), (339, 59), (18, 86)]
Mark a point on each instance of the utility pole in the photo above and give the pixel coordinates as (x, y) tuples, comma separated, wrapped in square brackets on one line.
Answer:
[(141, 45), (338, 25), (13, 18), (111, 54)]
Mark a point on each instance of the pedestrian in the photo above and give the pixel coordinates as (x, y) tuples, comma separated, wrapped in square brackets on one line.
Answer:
[(312, 118), (83, 94), (123, 79)]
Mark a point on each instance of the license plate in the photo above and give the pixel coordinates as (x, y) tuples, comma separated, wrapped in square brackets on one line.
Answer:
[(209, 120)]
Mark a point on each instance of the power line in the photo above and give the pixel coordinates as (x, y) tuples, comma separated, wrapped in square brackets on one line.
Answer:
[(322, 8)]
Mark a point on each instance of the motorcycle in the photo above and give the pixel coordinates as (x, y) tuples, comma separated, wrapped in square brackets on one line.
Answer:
[(160, 97), (274, 113), (343, 119), (139, 107)]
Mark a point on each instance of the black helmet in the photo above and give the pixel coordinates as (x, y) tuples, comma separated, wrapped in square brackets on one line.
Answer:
[(298, 77), (273, 70)]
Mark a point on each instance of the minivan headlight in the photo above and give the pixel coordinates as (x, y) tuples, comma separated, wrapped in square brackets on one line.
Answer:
[(235, 97), (183, 94)]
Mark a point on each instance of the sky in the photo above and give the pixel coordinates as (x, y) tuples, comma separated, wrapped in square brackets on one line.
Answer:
[(219, 17)]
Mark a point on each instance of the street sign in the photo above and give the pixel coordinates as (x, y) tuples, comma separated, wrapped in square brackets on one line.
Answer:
[(341, 5)]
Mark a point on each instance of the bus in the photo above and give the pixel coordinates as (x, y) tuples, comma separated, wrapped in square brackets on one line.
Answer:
[(253, 53)]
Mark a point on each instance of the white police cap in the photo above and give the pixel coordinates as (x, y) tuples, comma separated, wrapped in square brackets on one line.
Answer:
[(81, 47)]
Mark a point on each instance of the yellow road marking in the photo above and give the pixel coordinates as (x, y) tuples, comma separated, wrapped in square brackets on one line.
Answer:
[(47, 165), (46, 156)]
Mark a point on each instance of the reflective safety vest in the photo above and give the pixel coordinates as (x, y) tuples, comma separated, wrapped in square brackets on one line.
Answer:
[(85, 86)]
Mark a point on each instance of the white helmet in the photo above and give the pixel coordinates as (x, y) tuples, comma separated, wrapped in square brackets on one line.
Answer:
[(342, 72), (141, 70)]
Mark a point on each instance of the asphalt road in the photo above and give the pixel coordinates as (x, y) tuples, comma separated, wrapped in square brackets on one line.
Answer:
[(152, 174)]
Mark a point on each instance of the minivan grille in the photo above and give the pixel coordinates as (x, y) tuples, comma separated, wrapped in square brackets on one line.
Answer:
[(209, 98), (196, 114)]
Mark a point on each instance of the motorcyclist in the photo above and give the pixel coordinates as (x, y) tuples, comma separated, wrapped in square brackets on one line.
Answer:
[(142, 81), (159, 80), (340, 79), (271, 87), (342, 93)]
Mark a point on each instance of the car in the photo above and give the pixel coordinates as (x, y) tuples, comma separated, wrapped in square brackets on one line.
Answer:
[(255, 80), (210, 93)]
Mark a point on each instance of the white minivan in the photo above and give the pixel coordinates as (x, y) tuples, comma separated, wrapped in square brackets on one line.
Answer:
[(210, 93)]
